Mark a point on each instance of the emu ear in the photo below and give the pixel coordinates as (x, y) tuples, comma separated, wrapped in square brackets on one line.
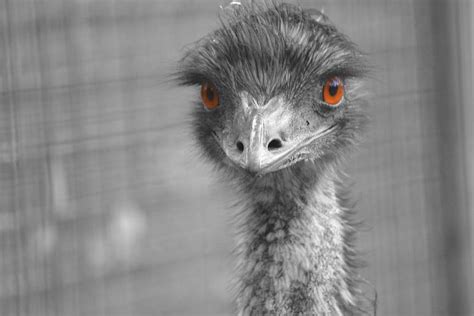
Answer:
[(233, 6), (318, 16)]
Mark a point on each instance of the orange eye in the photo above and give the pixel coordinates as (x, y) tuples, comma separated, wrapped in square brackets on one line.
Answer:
[(333, 91), (209, 96)]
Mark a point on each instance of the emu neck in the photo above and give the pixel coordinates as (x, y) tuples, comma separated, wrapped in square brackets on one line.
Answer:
[(291, 249)]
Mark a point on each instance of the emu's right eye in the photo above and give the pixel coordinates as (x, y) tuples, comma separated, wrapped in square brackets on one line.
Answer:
[(209, 96)]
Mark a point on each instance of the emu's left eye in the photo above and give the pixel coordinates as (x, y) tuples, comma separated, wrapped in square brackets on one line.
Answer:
[(333, 91)]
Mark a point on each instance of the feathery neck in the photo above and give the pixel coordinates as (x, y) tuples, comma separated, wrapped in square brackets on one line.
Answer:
[(291, 249)]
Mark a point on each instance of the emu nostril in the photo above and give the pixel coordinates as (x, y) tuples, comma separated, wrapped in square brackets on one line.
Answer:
[(240, 146), (274, 144)]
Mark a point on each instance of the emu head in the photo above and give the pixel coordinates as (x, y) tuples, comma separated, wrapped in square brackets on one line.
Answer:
[(278, 89)]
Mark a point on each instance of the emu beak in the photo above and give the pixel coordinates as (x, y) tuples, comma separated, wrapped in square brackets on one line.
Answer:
[(262, 148), (263, 138)]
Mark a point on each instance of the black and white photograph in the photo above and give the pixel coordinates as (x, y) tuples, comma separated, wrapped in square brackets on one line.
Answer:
[(236, 157)]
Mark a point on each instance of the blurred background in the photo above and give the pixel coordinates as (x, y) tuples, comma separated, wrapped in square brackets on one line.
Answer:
[(106, 208)]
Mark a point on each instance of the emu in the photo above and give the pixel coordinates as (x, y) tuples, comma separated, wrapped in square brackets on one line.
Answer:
[(279, 109)]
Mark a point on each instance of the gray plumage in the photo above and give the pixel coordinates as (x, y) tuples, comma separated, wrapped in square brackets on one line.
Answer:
[(281, 144)]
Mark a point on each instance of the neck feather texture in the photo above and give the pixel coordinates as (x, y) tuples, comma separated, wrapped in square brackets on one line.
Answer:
[(292, 250)]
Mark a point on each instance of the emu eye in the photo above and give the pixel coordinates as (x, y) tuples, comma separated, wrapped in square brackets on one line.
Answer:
[(209, 96), (333, 91)]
